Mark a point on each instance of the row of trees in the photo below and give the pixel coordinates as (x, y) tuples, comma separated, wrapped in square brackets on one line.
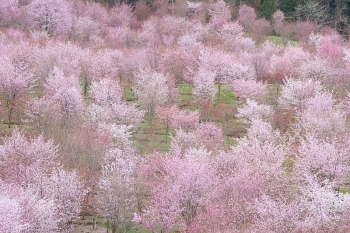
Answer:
[(333, 13)]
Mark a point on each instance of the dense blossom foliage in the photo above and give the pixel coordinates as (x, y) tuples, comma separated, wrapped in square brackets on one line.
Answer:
[(172, 116)]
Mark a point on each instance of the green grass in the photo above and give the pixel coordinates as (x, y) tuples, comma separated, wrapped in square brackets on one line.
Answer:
[(279, 40), (149, 138), (273, 92), (129, 95), (185, 91), (226, 96)]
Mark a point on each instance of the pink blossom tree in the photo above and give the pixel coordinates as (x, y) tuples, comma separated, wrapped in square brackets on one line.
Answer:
[(104, 64), (182, 192), (15, 82), (182, 141), (323, 116), (152, 91), (316, 208), (219, 14), (23, 161), (105, 92), (84, 28), (129, 115), (324, 208), (260, 29), (322, 161), (317, 68), (249, 89), (117, 194), (330, 48), (246, 16), (65, 91), (204, 86), (67, 192), (224, 66), (165, 115), (296, 92), (252, 110), (277, 214), (68, 57), (33, 214), (231, 33), (10, 211), (10, 12), (210, 135), (172, 116), (176, 62), (52, 16), (278, 16), (120, 15), (185, 119), (287, 64)]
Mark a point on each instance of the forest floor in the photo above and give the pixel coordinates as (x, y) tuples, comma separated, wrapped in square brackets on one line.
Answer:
[(88, 229)]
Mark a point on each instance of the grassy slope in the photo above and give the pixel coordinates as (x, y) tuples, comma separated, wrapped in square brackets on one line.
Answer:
[(149, 138)]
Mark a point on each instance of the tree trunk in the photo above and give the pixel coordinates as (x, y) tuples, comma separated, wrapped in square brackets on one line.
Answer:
[(166, 133)]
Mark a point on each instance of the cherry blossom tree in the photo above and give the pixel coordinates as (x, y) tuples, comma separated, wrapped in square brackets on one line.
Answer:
[(182, 193), (260, 59), (246, 16), (287, 64), (324, 208), (52, 16), (322, 161), (323, 116), (105, 92), (129, 115), (10, 12), (23, 161), (33, 214), (277, 214), (252, 110), (66, 56), (278, 16), (120, 15), (176, 62), (185, 119), (165, 115), (10, 211), (65, 92), (219, 14), (104, 64), (67, 192), (330, 48), (204, 87), (260, 29), (117, 193), (296, 92), (15, 82), (317, 208), (172, 116), (317, 68), (224, 66), (33, 164), (183, 141), (249, 89), (152, 91), (84, 28), (210, 135)]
